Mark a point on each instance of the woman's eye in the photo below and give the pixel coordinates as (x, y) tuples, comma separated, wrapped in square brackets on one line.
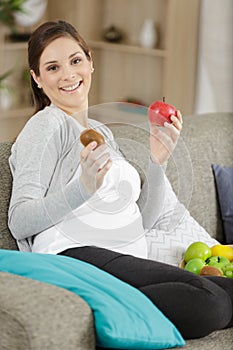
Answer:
[(52, 68), (76, 60)]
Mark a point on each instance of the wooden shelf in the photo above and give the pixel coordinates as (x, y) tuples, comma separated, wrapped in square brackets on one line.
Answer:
[(22, 112), (12, 122), (124, 69), (8, 46), (131, 49)]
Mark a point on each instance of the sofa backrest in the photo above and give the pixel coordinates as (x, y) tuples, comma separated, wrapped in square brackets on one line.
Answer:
[(6, 240), (206, 139), (209, 140)]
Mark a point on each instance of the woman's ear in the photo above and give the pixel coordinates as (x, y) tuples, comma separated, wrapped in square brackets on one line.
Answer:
[(91, 61), (35, 78), (92, 68)]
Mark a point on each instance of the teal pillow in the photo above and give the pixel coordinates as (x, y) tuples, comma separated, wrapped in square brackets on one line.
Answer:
[(124, 317)]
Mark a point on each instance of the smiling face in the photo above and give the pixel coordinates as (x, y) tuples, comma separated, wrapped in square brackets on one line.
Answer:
[(65, 75)]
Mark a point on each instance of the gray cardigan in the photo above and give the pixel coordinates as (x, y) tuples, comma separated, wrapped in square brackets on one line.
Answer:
[(43, 161)]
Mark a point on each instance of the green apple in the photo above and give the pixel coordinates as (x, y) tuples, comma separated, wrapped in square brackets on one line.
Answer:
[(195, 265), (228, 270), (228, 274), (217, 261), (197, 250)]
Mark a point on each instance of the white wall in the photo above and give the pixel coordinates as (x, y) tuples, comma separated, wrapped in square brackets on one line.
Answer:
[(215, 62)]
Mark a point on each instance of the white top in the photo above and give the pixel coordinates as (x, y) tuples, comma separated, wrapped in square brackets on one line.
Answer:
[(109, 219)]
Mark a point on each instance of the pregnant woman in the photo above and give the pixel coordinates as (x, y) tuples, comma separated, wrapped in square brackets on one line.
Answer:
[(87, 202)]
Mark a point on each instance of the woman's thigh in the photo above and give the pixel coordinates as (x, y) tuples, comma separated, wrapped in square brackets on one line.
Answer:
[(196, 305), (135, 271)]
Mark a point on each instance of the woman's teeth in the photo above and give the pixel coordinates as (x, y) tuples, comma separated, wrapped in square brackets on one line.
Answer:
[(72, 87)]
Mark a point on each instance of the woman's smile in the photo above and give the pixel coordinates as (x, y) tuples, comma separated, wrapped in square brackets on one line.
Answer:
[(72, 88)]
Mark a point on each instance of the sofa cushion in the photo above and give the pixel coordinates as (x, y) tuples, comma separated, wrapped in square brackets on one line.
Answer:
[(6, 239), (224, 185), (124, 317)]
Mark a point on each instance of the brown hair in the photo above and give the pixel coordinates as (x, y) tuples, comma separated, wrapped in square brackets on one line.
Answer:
[(38, 41)]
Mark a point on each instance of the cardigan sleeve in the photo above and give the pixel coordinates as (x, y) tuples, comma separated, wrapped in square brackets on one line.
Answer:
[(33, 162), (152, 196)]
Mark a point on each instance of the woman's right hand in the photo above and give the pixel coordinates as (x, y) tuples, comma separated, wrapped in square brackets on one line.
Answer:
[(95, 163)]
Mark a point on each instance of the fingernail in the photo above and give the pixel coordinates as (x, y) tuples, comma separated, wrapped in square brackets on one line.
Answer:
[(93, 144)]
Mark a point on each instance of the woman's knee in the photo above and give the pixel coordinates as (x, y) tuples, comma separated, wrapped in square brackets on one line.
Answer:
[(196, 311)]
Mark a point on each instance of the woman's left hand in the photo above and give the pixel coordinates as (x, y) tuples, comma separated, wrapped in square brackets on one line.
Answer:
[(163, 141)]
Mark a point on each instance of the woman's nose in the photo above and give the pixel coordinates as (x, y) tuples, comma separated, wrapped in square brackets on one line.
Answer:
[(68, 73)]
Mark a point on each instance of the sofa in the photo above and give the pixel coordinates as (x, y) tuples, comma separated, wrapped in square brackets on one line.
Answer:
[(35, 315)]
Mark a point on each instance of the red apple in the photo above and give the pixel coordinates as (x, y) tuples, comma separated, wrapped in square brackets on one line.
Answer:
[(160, 112)]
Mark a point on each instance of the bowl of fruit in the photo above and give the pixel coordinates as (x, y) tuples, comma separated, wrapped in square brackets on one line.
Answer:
[(203, 260)]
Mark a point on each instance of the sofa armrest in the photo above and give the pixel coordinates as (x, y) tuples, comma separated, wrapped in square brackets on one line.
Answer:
[(36, 315)]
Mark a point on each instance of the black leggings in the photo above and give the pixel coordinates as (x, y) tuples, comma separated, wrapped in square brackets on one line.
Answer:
[(196, 305)]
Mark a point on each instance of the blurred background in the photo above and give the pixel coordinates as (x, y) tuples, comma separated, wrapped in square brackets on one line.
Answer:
[(214, 85), (142, 50)]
